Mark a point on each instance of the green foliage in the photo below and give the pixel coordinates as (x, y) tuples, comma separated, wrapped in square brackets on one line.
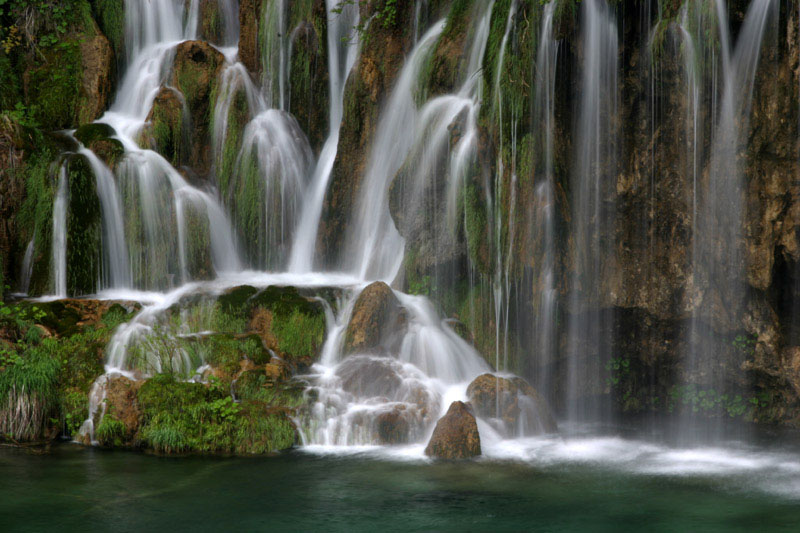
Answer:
[(298, 333), (710, 402), (110, 432), (110, 16), (745, 344), (190, 417), (619, 369)]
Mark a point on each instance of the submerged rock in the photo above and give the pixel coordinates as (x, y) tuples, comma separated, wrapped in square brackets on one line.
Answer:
[(456, 434), (513, 401), (378, 322)]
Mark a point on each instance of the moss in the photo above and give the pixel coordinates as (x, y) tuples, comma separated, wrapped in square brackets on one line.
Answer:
[(34, 219), (110, 16), (83, 229), (476, 227), (54, 84)]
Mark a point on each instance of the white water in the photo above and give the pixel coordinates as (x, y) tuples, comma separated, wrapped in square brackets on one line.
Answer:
[(59, 245), (343, 49), (718, 262), (593, 178), (545, 326)]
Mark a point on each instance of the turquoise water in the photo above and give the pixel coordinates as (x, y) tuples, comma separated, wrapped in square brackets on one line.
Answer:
[(80, 489)]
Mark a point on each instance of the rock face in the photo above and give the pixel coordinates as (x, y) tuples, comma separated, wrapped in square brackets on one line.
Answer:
[(392, 427), (512, 400), (195, 73), (456, 435), (97, 60), (378, 322), (166, 132), (249, 16), (368, 85), (122, 413)]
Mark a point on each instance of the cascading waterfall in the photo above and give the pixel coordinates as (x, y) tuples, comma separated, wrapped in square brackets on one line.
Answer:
[(544, 327), (593, 177), (375, 248), (59, 246), (719, 262), (342, 54)]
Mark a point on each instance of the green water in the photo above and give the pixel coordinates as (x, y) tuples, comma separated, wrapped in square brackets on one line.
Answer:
[(79, 489)]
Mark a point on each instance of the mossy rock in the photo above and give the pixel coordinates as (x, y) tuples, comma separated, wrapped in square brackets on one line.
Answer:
[(98, 137), (196, 69), (84, 229)]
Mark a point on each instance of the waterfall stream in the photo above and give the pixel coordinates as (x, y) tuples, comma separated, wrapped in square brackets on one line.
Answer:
[(429, 191)]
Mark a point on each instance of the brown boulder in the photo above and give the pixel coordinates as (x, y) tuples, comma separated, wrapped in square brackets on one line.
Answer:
[(122, 405), (378, 322), (368, 377), (392, 427), (513, 401), (456, 434)]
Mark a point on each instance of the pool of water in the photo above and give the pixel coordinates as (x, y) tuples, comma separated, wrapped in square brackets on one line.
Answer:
[(574, 484)]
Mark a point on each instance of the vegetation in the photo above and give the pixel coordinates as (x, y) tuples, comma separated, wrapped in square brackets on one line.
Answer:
[(182, 417), (45, 380)]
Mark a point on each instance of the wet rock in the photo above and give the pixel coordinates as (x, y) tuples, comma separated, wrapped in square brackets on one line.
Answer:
[(456, 434), (196, 70), (520, 408), (378, 322), (166, 131), (97, 60), (369, 83), (98, 137), (392, 427), (121, 420), (249, 17), (366, 377)]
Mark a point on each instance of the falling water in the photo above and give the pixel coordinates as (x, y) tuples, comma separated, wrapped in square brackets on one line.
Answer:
[(116, 271), (343, 51), (27, 268), (719, 263), (59, 245), (593, 178), (545, 322)]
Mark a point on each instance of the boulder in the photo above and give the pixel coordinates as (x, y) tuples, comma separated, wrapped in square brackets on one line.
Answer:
[(121, 420), (513, 401), (378, 322), (195, 72), (456, 434), (392, 427), (166, 125), (369, 377)]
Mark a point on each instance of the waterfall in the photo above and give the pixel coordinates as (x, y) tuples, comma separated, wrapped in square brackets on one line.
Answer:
[(352, 393), (594, 174), (342, 54), (59, 245), (116, 271), (719, 263), (545, 322), (27, 267)]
